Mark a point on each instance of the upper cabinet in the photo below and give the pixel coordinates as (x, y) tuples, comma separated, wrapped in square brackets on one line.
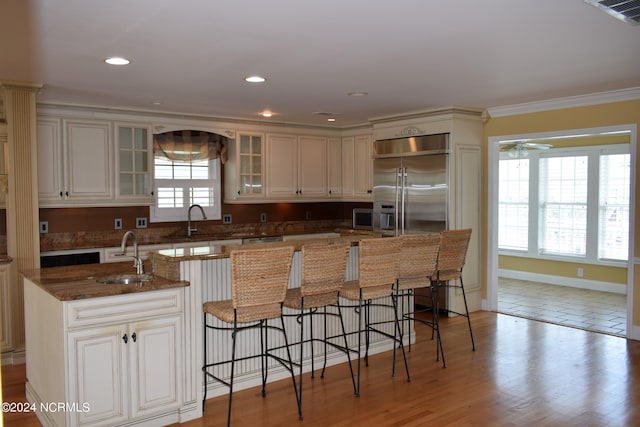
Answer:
[(357, 168), (334, 167), (75, 165), (282, 170), (297, 167), (244, 170), (134, 163)]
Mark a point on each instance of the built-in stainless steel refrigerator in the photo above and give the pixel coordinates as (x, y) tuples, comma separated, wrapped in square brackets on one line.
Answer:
[(411, 191), (411, 188)]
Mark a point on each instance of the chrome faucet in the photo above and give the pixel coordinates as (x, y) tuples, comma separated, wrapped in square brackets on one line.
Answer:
[(137, 261), (189, 228)]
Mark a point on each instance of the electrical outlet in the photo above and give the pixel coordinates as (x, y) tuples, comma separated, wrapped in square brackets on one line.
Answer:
[(44, 227), (580, 272), (307, 215), (263, 217), (141, 222), (226, 219), (117, 224)]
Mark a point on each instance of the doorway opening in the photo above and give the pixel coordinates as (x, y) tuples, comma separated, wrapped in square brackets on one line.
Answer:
[(561, 227)]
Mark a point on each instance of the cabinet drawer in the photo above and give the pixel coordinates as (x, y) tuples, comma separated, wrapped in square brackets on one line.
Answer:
[(122, 308)]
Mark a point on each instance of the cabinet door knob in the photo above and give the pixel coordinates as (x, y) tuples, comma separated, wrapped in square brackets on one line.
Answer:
[(133, 337), (125, 338)]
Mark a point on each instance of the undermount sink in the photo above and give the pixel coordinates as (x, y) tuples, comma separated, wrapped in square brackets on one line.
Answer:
[(123, 279)]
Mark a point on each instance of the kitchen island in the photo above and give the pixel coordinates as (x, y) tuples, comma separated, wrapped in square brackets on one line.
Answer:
[(103, 353), (85, 346)]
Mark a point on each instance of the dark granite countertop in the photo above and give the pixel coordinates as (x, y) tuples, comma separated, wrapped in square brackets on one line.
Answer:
[(79, 281)]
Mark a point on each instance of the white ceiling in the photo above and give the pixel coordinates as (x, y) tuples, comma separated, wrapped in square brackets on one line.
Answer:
[(409, 55)]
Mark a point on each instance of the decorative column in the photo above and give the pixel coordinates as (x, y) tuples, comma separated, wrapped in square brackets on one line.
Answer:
[(23, 243)]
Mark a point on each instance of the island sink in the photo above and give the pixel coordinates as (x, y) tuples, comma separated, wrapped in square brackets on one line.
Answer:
[(123, 279)]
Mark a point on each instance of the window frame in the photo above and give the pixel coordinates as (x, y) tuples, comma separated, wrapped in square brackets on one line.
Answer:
[(214, 182), (593, 203)]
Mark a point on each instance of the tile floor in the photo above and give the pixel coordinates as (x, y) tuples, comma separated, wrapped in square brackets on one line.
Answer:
[(580, 308)]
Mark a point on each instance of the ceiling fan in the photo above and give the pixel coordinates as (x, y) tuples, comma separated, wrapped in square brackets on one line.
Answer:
[(519, 149)]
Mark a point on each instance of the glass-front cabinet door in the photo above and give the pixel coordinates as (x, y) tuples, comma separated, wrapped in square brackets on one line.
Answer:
[(134, 157), (250, 164)]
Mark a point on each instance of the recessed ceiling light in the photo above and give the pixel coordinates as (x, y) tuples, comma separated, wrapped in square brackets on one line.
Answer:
[(255, 79), (358, 93), (117, 61), (331, 119), (266, 114)]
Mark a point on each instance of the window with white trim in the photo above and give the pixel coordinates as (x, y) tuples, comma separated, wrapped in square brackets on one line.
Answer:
[(566, 203), (513, 229), (185, 178)]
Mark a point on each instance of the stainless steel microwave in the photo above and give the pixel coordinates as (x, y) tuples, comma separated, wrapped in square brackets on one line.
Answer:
[(362, 219)]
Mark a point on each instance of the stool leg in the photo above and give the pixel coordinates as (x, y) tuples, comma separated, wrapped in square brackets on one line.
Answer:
[(313, 368), (367, 308), (360, 308), (293, 374), (397, 328), (346, 346), (264, 348), (466, 307), (204, 367), (233, 364), (324, 318), (436, 324)]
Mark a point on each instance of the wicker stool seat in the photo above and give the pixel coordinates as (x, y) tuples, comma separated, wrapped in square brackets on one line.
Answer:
[(259, 280), (451, 258), (418, 261), (323, 273), (378, 270)]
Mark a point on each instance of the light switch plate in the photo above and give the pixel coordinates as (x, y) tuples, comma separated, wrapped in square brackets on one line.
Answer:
[(44, 227), (141, 222), (117, 224), (226, 219), (263, 217)]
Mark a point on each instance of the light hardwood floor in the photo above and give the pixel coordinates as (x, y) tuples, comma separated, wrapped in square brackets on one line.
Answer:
[(523, 373)]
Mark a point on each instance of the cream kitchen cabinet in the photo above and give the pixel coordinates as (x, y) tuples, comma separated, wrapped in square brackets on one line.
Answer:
[(134, 163), (118, 358), (357, 168), (334, 167), (75, 162), (6, 342), (124, 371), (244, 170), (296, 167)]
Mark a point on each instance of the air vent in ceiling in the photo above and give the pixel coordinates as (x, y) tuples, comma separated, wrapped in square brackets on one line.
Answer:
[(625, 10)]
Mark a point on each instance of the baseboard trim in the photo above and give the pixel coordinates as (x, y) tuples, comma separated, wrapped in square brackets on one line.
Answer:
[(592, 285)]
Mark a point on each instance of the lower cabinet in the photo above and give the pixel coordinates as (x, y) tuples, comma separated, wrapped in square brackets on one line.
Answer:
[(124, 371), (117, 360)]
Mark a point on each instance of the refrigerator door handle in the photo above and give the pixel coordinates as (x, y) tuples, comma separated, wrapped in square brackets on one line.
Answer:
[(403, 201), (396, 210)]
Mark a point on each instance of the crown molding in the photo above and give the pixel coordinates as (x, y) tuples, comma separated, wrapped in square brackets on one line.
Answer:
[(629, 94)]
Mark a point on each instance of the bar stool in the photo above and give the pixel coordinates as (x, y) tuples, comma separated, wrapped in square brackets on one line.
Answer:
[(378, 270), (259, 279), (323, 274), (418, 263), (451, 259)]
